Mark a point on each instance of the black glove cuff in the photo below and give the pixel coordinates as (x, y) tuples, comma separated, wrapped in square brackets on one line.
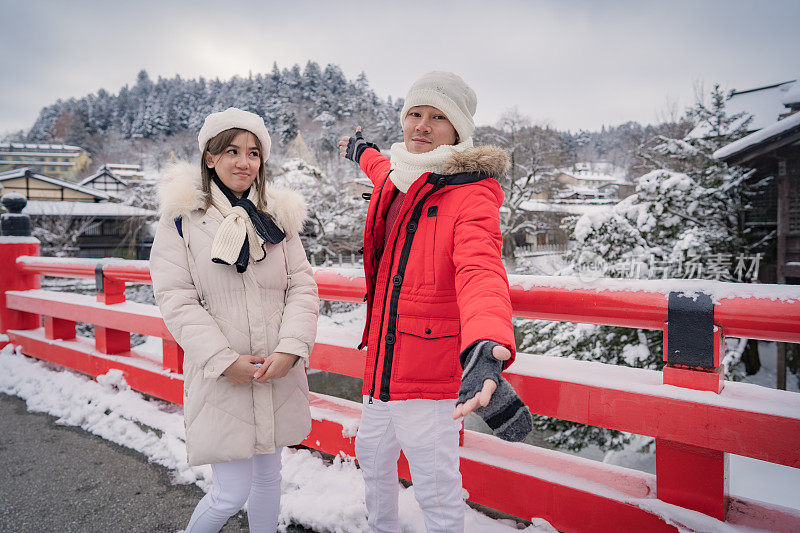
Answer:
[(363, 146), (356, 146)]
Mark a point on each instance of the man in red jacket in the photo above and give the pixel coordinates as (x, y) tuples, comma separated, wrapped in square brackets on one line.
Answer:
[(437, 296)]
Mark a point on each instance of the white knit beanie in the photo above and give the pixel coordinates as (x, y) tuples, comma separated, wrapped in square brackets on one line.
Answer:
[(233, 117), (448, 93)]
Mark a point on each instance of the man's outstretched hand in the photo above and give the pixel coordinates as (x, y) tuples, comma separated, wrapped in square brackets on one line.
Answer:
[(344, 141), (352, 147), (482, 398)]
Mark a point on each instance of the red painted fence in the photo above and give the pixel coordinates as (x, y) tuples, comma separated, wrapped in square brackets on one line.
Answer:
[(695, 418)]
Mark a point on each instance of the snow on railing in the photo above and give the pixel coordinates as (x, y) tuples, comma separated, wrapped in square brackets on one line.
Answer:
[(695, 418)]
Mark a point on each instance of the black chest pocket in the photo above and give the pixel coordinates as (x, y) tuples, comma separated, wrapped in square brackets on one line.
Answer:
[(429, 222)]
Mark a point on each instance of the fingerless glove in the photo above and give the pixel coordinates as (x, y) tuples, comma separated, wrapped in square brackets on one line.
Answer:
[(505, 414), (356, 146)]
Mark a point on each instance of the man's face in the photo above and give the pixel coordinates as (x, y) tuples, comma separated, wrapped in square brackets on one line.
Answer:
[(426, 128)]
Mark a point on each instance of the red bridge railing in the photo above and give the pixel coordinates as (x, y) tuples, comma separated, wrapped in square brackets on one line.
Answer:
[(695, 417)]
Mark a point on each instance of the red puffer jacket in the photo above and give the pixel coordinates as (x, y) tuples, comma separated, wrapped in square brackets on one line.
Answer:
[(440, 284)]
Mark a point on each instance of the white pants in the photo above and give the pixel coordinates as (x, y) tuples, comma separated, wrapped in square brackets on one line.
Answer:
[(256, 480), (428, 435)]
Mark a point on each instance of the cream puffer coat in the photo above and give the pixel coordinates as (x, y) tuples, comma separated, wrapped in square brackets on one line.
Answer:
[(216, 314)]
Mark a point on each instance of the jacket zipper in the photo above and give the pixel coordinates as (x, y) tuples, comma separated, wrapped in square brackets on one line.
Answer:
[(397, 282), (375, 266), (385, 295)]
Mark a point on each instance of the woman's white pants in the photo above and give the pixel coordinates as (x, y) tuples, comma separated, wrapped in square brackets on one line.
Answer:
[(428, 436), (256, 480)]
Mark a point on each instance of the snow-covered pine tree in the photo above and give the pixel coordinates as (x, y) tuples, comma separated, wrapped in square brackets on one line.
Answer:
[(687, 203), (335, 216)]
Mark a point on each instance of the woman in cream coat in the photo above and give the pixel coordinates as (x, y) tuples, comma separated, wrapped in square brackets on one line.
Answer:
[(236, 291)]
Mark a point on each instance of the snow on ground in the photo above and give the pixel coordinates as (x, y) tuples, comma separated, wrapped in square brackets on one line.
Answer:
[(767, 375), (316, 494), (542, 264), (342, 329)]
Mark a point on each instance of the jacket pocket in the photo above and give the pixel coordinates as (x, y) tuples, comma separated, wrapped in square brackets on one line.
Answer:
[(426, 349)]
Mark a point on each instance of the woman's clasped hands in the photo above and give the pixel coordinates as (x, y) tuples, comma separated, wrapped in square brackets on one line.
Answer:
[(250, 367)]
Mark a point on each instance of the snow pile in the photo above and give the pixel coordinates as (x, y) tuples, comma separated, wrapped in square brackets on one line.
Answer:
[(107, 408), (7, 239), (14, 196), (325, 497)]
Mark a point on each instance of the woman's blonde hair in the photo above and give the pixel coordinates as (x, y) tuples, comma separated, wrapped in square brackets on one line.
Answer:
[(215, 146)]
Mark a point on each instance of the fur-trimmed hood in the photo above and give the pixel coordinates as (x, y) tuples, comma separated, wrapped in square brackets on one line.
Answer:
[(180, 192), (488, 159)]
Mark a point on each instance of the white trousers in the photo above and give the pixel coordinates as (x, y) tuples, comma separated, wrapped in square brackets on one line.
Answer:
[(428, 436), (256, 480)]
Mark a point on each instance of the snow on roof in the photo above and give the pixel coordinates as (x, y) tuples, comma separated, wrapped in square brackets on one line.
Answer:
[(85, 209), (593, 176), (581, 189), (14, 173), (765, 104), (34, 146), (564, 208), (41, 154), (774, 130), (104, 170), (127, 173), (792, 95), (120, 166), (20, 172)]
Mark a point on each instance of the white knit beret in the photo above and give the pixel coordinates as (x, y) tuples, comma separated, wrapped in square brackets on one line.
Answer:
[(233, 117), (450, 94)]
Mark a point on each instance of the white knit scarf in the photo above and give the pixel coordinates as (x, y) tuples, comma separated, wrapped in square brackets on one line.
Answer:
[(407, 167), (230, 235)]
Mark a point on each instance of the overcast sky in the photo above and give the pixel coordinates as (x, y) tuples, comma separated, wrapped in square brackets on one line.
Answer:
[(572, 64)]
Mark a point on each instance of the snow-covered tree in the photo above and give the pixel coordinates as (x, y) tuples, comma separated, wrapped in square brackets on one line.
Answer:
[(535, 151), (686, 208), (59, 233), (336, 216), (289, 100)]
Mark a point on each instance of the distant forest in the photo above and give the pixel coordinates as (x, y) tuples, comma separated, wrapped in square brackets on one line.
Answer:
[(321, 103)]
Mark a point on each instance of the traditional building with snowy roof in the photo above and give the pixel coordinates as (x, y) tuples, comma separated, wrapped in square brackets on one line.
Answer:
[(763, 105), (594, 181), (105, 180), (102, 228), (774, 153), (36, 186), (126, 171), (60, 160)]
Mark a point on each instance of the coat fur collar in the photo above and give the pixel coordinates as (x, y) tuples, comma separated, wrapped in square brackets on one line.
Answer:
[(180, 193), (487, 159)]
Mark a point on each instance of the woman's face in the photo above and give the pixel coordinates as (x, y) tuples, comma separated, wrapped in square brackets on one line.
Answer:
[(238, 164)]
